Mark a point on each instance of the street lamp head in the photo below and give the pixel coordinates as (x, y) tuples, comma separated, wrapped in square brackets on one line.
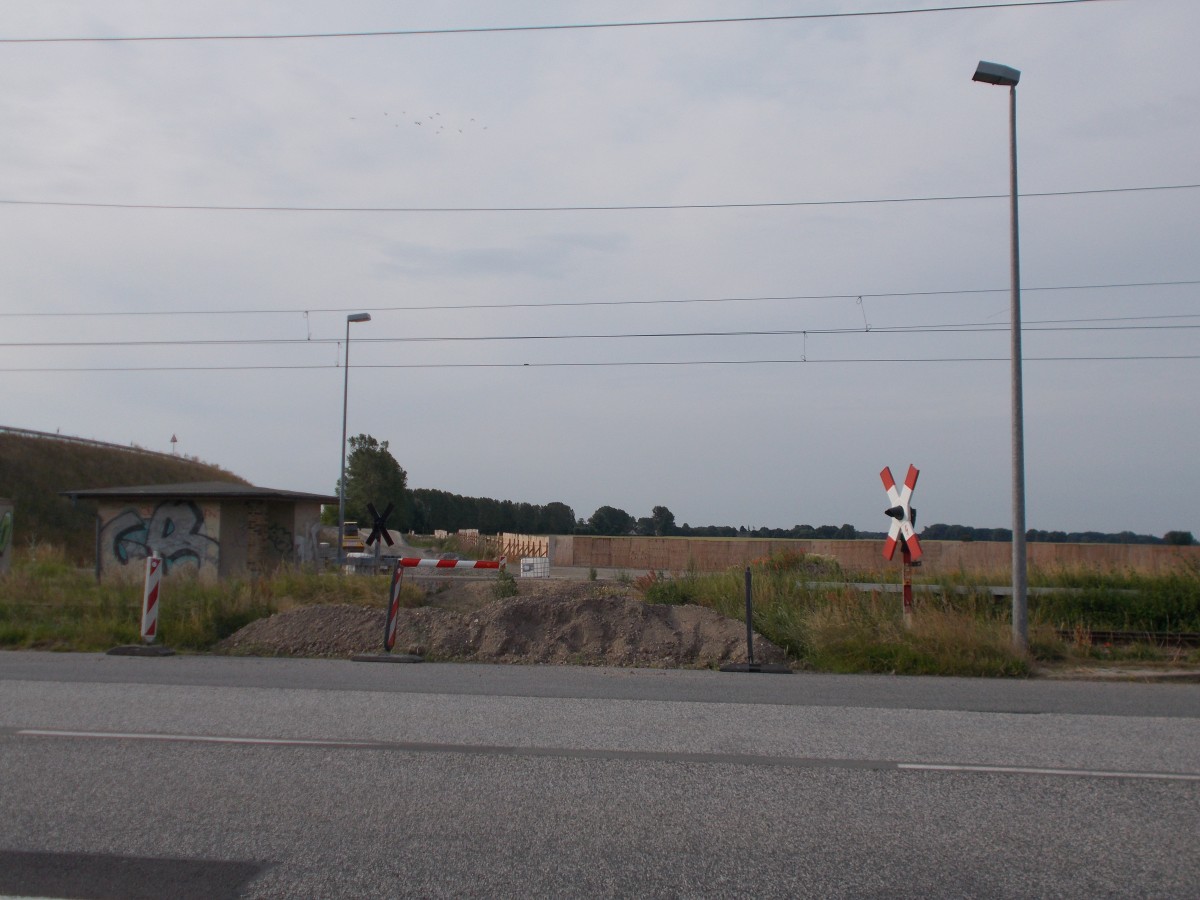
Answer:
[(358, 317), (994, 73)]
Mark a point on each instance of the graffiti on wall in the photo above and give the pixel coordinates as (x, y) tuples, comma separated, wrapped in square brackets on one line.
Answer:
[(306, 549), (279, 539), (174, 530)]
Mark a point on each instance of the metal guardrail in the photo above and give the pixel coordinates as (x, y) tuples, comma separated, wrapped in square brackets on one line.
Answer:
[(87, 442), (1160, 638), (999, 590), (1081, 635)]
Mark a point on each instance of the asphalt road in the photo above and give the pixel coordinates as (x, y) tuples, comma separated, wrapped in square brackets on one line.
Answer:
[(218, 777)]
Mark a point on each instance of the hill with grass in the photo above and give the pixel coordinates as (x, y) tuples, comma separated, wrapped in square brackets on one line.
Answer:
[(35, 468)]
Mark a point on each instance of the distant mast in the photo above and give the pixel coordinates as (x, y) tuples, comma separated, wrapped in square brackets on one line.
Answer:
[(174, 441)]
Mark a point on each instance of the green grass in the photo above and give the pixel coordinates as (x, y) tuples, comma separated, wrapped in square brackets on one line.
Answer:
[(1130, 602), (46, 603), (952, 633), (867, 633)]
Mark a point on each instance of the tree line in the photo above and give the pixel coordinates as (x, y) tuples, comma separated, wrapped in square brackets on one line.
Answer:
[(434, 510), (374, 476), (941, 532), (609, 520)]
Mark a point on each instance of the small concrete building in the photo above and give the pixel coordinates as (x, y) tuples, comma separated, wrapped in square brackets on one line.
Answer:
[(217, 529)]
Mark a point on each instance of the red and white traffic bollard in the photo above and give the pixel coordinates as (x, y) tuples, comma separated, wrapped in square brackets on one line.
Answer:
[(150, 598), (393, 620)]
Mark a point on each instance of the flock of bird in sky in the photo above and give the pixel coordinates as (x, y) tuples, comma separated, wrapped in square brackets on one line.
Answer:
[(431, 120)]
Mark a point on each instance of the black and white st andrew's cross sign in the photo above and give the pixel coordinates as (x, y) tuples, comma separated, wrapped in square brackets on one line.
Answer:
[(379, 530)]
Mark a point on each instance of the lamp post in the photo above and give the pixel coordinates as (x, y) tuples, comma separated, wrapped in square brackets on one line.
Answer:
[(341, 554), (994, 73)]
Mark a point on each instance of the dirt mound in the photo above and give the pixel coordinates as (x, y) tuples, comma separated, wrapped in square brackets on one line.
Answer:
[(579, 624)]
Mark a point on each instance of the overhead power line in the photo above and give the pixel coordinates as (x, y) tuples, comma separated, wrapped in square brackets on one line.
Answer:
[(502, 29), (949, 328), (624, 207), (588, 303), (610, 364)]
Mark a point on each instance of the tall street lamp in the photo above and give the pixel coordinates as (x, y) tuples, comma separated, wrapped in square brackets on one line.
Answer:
[(994, 73), (341, 554)]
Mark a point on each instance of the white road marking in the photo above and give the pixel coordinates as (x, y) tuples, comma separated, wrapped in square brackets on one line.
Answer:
[(632, 755), (1031, 770), (203, 738)]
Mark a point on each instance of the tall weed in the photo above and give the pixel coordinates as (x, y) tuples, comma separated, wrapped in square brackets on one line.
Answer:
[(869, 634), (47, 604), (841, 630), (1139, 603)]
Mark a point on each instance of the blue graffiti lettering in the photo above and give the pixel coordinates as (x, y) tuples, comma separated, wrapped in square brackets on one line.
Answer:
[(175, 531)]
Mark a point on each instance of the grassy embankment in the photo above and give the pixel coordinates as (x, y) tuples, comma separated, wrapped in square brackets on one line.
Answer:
[(961, 631), (35, 470)]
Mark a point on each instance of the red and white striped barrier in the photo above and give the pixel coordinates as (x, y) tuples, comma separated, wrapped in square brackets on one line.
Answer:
[(150, 598), (410, 562), (392, 623)]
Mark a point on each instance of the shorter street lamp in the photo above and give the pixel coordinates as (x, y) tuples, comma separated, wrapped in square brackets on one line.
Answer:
[(341, 553)]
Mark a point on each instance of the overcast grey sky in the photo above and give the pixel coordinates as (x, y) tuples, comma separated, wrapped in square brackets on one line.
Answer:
[(720, 426)]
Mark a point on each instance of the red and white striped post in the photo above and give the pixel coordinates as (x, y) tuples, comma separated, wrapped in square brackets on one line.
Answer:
[(389, 628), (150, 598)]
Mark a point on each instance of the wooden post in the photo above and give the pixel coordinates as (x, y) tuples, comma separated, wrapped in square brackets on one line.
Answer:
[(906, 555), (749, 620)]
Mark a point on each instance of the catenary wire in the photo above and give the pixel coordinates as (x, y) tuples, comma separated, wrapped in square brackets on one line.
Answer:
[(609, 364), (950, 328), (588, 303), (626, 207), (588, 26)]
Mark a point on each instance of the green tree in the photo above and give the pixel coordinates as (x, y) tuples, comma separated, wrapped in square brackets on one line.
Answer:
[(663, 521), (374, 476), (1179, 538), (557, 518), (611, 521)]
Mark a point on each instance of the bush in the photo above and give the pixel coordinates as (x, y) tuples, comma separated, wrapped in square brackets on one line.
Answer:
[(505, 585), (666, 590)]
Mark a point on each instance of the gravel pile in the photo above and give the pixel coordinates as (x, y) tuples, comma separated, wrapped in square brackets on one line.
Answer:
[(568, 622)]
